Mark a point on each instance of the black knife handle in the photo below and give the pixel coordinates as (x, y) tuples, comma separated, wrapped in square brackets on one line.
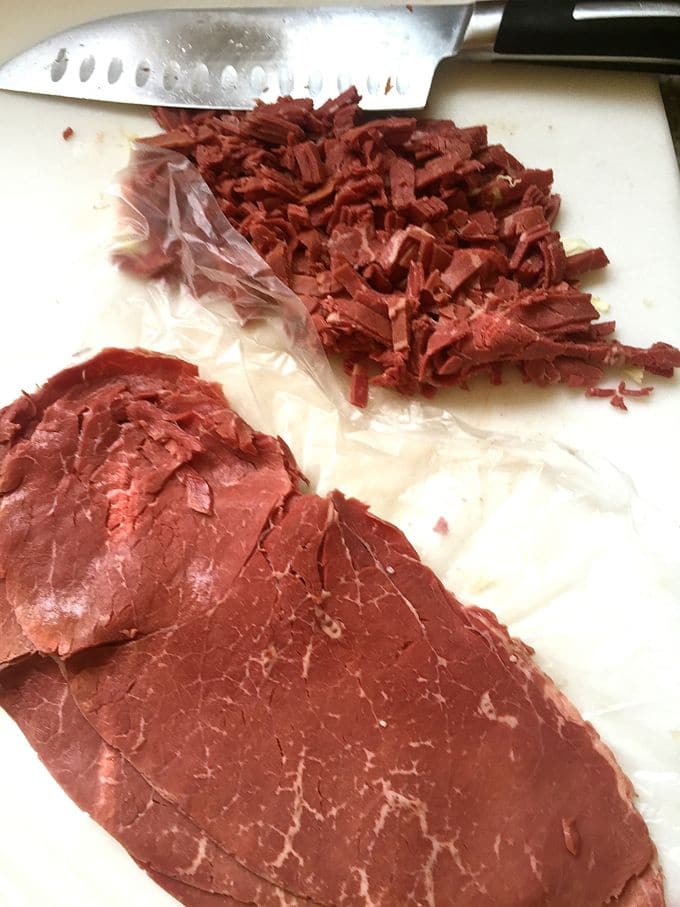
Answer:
[(625, 32)]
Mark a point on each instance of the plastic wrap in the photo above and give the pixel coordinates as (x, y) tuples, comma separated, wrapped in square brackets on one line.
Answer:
[(557, 544)]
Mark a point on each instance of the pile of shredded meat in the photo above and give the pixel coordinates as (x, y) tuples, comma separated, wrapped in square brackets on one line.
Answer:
[(424, 254), (264, 695)]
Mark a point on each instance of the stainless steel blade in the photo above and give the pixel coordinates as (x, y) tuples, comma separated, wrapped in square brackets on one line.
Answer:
[(232, 57)]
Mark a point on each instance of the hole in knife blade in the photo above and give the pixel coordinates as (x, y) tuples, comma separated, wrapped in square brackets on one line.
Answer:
[(59, 65), (286, 81), (142, 74), (115, 70), (258, 78), (86, 68), (403, 83), (315, 82), (171, 76), (374, 84), (200, 77), (229, 78)]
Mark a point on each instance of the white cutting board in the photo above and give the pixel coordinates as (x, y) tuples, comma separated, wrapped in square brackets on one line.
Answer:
[(606, 137)]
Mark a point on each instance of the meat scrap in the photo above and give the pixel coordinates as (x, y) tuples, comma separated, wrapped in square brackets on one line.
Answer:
[(441, 526), (421, 210), (616, 395), (295, 709)]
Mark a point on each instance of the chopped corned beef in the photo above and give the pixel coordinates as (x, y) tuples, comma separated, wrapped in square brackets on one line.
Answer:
[(634, 392), (359, 390), (616, 395), (600, 392), (426, 255)]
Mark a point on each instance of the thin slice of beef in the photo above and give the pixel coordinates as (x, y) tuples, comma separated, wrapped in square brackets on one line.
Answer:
[(358, 737), (147, 494), (324, 715), (100, 781)]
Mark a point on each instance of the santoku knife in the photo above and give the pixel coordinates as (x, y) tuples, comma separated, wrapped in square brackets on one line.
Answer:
[(230, 58)]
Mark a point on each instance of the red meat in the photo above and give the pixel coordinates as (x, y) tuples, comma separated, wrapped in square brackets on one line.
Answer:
[(380, 196)]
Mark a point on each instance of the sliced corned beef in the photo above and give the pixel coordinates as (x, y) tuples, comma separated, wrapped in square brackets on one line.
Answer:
[(292, 700)]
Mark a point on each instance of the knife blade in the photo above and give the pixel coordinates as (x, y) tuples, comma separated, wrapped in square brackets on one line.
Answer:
[(231, 58)]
